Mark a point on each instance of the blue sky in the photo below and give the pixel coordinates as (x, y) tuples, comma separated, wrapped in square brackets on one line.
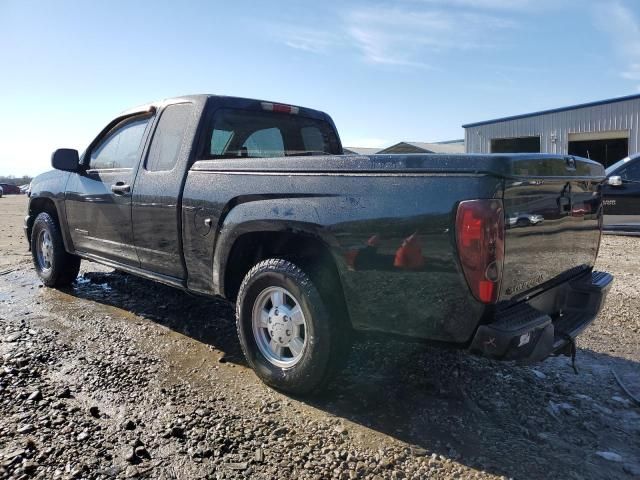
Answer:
[(385, 71)]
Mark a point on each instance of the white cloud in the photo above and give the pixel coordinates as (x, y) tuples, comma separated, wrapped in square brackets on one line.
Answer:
[(409, 34), (632, 72), (493, 4), (307, 39), (384, 48), (396, 36), (623, 28)]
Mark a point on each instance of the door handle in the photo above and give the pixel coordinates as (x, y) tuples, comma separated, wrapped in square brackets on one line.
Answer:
[(121, 188)]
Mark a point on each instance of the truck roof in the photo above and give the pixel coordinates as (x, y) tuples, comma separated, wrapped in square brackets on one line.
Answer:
[(229, 101)]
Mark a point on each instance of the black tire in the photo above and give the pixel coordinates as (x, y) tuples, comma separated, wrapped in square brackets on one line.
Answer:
[(64, 267), (327, 336)]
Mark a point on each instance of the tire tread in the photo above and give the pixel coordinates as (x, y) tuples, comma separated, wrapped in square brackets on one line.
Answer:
[(340, 338)]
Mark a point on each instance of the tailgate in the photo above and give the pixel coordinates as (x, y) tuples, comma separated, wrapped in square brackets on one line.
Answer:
[(552, 220)]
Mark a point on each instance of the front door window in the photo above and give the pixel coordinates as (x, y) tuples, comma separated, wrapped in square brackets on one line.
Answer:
[(120, 148)]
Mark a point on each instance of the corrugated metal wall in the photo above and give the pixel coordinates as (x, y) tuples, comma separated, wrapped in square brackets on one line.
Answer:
[(622, 115)]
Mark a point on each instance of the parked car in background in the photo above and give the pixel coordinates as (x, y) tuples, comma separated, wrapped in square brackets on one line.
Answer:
[(10, 189), (255, 201), (1, 191), (524, 219), (621, 196)]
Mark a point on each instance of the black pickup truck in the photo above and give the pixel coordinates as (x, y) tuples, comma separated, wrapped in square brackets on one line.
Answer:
[(621, 197), (254, 201)]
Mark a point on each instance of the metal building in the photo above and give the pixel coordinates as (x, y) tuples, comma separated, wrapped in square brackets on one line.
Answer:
[(605, 131), (450, 146), (360, 150)]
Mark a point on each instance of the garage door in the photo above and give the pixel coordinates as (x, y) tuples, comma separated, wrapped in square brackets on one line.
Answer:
[(604, 147)]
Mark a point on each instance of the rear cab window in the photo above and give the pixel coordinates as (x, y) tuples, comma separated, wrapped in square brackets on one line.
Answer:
[(236, 133)]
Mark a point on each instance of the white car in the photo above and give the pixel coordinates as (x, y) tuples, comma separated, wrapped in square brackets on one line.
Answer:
[(524, 219)]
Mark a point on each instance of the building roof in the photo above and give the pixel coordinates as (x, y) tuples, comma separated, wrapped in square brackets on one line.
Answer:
[(361, 150), (554, 110), (452, 146)]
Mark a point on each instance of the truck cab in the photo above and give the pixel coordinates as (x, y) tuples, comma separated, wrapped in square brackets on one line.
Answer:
[(122, 197)]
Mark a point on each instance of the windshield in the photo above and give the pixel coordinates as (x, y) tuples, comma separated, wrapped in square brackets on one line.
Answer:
[(247, 133), (612, 168)]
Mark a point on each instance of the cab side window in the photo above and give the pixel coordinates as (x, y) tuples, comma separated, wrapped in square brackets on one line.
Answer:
[(120, 148), (631, 173), (168, 137)]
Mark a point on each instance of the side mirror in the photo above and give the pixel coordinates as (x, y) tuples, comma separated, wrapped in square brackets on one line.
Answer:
[(615, 181), (66, 159)]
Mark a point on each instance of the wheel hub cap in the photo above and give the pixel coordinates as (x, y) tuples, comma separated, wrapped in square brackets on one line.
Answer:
[(44, 251), (279, 327)]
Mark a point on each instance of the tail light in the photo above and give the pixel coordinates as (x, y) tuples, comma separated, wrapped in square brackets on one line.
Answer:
[(480, 240)]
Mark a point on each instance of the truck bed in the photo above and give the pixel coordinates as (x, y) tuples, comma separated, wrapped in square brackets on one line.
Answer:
[(349, 200)]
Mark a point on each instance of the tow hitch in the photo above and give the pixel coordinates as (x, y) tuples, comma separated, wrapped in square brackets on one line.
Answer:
[(569, 350)]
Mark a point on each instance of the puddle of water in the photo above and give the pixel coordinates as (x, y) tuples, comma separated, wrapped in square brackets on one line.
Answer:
[(83, 282)]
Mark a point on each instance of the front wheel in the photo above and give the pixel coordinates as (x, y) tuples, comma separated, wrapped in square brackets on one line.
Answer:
[(286, 330), (54, 266)]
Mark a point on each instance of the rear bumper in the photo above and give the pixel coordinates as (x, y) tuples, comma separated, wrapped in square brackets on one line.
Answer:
[(542, 326), (621, 225), (623, 231)]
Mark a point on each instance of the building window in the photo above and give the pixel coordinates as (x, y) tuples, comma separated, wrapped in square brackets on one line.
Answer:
[(515, 145)]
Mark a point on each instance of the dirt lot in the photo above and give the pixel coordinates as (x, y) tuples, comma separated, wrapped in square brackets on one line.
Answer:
[(120, 377)]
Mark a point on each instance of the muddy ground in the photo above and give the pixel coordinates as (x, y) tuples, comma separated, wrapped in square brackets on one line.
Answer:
[(119, 377)]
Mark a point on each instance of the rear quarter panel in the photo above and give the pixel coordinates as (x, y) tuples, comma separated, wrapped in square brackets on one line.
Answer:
[(365, 220)]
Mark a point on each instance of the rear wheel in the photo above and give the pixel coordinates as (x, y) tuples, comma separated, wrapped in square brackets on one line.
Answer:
[(287, 332), (54, 266)]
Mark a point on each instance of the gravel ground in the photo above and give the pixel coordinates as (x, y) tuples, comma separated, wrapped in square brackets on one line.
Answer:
[(119, 377)]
